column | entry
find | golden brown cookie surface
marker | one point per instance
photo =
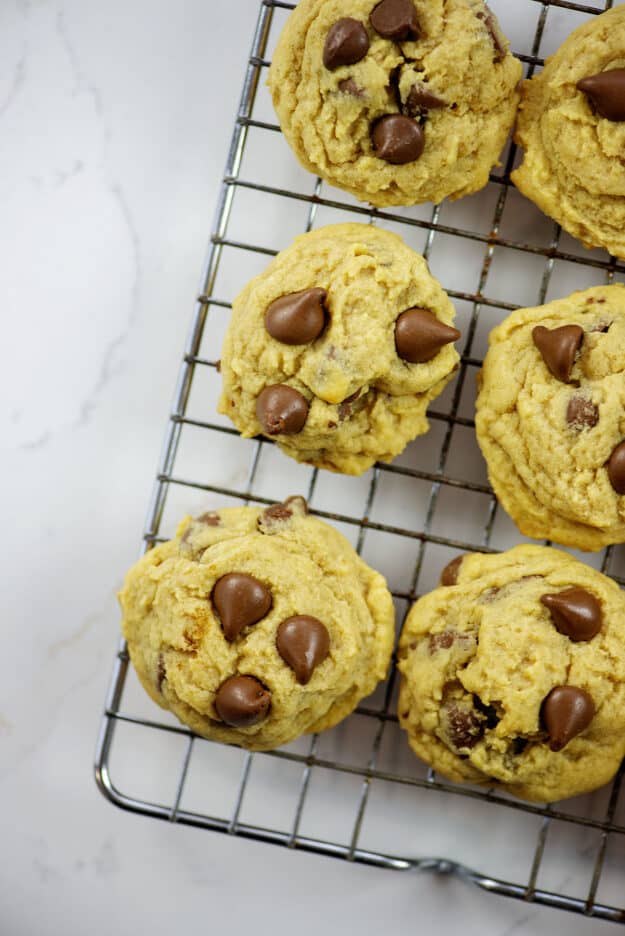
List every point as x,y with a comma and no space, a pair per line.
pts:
514,676
397,102
255,626
337,349
551,418
572,128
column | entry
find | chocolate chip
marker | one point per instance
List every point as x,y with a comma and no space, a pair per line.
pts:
616,468
558,347
276,516
242,701
419,335
297,318
566,712
349,86
346,408
396,19
281,409
519,745
420,100
441,641
274,519
496,35
346,43
397,139
303,642
607,92
602,327
211,518
240,600
575,612
392,88
462,726
161,672
488,711
449,575
582,413
297,504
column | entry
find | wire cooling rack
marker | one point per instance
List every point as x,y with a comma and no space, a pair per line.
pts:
357,792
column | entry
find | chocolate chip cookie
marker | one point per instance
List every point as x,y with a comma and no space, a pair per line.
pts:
551,418
397,102
255,626
572,127
513,674
336,350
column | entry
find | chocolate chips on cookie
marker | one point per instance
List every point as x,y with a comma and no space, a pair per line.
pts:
582,413
395,101
303,642
242,701
575,613
570,125
511,677
420,100
337,348
566,712
298,318
559,347
616,468
244,634
606,91
240,600
397,139
549,418
346,43
449,575
419,336
498,39
281,410
396,20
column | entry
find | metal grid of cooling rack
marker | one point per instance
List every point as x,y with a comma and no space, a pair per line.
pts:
605,823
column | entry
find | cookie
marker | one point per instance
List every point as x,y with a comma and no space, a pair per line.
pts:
513,674
395,102
254,626
551,418
336,350
572,127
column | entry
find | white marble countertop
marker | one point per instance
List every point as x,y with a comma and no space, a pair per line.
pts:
114,123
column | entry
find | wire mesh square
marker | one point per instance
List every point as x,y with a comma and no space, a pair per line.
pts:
348,792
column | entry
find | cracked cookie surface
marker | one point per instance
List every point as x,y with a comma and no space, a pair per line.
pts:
256,626
396,102
574,161
552,438
379,348
503,683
